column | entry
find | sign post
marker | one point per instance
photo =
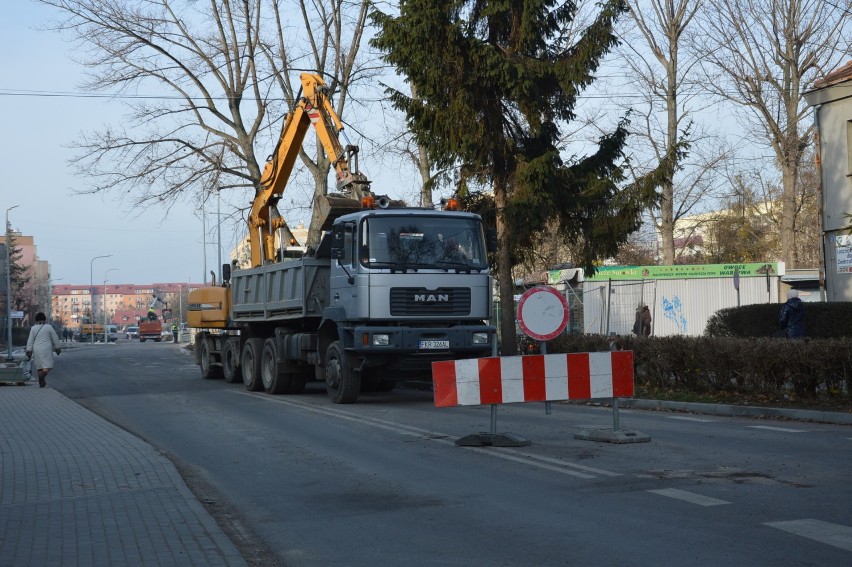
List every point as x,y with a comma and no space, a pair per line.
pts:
542,314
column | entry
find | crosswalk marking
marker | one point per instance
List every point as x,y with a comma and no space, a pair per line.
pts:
784,429
823,532
690,497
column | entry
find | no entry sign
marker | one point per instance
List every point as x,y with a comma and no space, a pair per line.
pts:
542,313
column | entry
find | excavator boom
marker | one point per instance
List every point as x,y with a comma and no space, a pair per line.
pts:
313,107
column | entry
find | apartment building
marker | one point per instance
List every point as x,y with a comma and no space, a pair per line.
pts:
123,304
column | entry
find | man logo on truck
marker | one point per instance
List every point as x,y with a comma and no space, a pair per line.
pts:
431,298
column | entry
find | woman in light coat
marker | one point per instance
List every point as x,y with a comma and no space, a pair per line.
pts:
41,344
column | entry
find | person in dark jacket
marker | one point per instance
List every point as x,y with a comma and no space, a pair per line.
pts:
792,318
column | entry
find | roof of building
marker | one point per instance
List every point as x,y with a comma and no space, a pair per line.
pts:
839,75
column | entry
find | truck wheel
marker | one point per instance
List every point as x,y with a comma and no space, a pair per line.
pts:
250,364
230,362
209,371
274,381
341,382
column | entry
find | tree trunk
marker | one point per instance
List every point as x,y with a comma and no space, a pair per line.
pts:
667,225
509,342
788,213
424,166
320,171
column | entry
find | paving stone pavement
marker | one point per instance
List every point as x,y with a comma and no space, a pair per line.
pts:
78,490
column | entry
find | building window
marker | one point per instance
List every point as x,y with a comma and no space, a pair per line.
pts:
849,147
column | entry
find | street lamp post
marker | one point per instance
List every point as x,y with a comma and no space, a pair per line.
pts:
204,237
219,232
106,334
92,293
8,286
180,312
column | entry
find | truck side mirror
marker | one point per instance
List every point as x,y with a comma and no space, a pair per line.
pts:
226,273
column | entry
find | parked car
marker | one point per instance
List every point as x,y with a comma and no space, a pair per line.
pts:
112,333
132,332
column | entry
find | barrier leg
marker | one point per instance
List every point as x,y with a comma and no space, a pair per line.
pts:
614,435
492,438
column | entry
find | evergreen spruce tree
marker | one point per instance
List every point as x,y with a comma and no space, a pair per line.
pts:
19,275
496,81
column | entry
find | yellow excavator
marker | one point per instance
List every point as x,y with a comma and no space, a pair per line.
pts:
313,107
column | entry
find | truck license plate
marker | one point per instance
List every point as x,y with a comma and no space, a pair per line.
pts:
434,344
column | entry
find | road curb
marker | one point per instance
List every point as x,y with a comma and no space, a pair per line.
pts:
738,411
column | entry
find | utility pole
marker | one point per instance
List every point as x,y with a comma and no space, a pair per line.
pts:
92,294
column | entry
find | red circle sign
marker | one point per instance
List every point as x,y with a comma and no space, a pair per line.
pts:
542,313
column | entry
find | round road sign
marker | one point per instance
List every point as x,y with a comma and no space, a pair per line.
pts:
542,313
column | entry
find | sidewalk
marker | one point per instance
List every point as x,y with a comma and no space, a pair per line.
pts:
77,490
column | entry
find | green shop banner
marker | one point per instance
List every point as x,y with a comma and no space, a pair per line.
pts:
604,273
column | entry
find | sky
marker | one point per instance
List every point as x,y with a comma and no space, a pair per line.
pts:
38,125
42,113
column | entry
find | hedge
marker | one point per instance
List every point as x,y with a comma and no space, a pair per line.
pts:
807,368
822,320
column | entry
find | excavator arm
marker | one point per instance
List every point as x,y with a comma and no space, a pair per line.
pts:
313,107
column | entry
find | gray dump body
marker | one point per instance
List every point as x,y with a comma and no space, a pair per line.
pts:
286,290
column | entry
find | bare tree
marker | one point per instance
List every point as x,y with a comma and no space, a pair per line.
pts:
663,70
746,229
761,55
207,83
808,225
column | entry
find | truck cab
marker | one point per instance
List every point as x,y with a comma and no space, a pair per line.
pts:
398,264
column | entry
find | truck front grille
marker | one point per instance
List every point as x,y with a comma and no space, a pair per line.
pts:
420,301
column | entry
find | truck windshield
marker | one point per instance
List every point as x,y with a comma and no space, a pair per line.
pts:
413,242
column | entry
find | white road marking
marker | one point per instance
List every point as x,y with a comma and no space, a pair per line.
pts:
823,532
690,497
770,428
546,463
594,470
699,419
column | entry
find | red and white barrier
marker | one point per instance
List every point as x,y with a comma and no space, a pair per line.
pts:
536,378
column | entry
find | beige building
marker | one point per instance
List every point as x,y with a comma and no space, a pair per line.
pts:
692,232
39,273
831,99
242,253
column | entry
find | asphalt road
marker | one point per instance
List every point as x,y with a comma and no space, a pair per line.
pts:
302,482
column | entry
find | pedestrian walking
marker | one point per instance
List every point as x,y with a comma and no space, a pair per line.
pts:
175,333
792,318
41,344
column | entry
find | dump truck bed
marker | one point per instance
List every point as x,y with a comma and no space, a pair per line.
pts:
285,290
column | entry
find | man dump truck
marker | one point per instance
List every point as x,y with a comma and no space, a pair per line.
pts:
387,291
